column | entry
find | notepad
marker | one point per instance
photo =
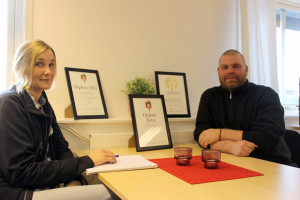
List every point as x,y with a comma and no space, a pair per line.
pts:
124,163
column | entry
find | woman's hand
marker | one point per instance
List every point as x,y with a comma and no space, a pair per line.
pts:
102,156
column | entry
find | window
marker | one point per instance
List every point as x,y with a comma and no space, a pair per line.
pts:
3,40
12,34
288,48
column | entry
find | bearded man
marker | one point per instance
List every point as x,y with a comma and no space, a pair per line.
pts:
240,117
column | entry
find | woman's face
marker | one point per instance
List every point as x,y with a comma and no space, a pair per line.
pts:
43,72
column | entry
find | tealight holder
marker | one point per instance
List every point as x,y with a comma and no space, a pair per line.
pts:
211,158
183,155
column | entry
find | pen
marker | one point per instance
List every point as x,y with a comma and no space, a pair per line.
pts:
116,156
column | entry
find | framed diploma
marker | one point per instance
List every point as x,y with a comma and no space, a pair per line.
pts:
150,122
174,88
86,93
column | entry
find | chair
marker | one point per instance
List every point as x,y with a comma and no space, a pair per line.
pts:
292,139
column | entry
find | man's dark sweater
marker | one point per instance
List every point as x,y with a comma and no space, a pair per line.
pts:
254,109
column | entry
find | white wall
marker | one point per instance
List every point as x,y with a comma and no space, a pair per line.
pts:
128,38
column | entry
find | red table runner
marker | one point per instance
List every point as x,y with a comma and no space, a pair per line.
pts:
196,173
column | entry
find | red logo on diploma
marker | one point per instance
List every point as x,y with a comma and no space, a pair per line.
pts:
148,104
83,78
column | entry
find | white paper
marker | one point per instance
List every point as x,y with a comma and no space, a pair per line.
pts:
124,163
172,87
151,124
86,92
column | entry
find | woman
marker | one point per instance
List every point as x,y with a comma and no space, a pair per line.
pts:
34,156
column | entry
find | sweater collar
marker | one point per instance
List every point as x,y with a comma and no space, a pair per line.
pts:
238,89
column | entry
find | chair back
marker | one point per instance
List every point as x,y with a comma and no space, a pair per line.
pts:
292,139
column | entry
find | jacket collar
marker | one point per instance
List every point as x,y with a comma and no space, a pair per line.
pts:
30,104
237,90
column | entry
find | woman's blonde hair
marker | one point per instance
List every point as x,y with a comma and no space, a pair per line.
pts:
24,59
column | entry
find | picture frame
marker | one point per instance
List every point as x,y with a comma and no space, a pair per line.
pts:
150,122
173,86
86,93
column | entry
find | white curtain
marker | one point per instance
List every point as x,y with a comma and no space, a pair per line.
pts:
258,19
12,35
3,46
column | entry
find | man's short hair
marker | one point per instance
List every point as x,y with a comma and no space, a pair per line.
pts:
231,52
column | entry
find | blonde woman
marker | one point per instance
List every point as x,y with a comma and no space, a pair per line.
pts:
34,156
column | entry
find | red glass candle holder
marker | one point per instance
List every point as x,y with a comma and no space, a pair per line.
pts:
211,158
183,155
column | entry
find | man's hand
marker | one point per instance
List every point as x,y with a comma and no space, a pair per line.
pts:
102,156
208,137
242,148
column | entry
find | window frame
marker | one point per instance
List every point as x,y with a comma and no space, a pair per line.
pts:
290,109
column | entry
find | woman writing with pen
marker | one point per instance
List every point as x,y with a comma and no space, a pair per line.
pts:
34,156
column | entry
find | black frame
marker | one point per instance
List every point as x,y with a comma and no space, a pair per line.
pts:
157,73
135,127
76,116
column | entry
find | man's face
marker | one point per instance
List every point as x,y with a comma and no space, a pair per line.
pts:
232,71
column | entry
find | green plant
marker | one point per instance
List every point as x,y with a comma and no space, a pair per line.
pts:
139,86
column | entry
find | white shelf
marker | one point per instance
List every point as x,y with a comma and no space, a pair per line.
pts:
94,121
113,120
295,126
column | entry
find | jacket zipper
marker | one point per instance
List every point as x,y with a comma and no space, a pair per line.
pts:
39,151
230,113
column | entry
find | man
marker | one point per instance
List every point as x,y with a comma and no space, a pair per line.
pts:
240,117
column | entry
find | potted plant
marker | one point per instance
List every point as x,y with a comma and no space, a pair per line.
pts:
139,86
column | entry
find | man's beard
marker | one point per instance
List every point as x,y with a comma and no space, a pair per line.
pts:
231,84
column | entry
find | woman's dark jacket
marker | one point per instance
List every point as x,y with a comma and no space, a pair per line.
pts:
254,109
24,135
